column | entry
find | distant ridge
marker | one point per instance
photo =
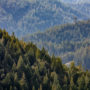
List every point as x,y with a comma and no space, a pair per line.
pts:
67,41
28,16
76,1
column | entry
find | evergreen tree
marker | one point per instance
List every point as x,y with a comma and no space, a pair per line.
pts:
33,88
58,65
11,88
14,67
15,77
87,82
81,83
20,64
38,54
72,85
23,82
40,87
65,87
56,84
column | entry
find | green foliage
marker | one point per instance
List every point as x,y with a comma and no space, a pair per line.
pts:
25,67
81,83
56,84
1,34
20,64
23,82
72,85
70,41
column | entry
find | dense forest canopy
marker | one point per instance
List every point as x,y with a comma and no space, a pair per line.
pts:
67,41
25,67
45,45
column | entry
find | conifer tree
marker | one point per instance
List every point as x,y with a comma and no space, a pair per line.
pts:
23,82
20,64
65,83
38,53
56,85
33,88
40,87
81,83
72,85
11,88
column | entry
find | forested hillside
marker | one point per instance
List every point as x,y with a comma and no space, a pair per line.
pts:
66,41
29,16
25,67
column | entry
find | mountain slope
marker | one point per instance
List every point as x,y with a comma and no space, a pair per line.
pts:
71,32
27,16
64,40
76,1
25,67
83,8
